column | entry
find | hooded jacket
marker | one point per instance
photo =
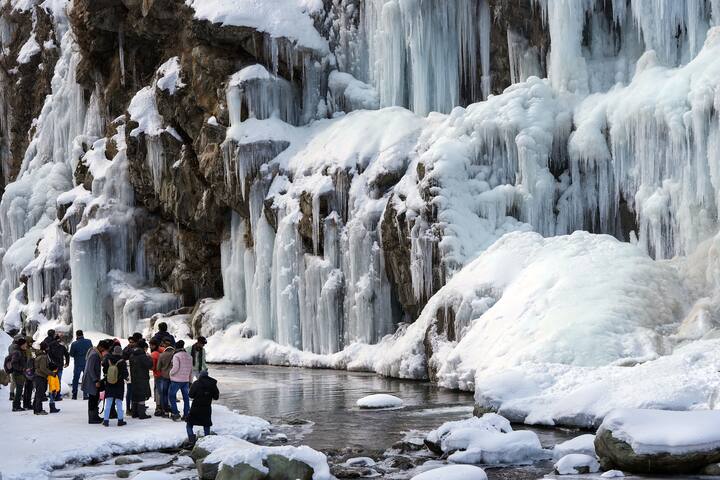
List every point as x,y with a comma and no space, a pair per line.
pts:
92,372
203,391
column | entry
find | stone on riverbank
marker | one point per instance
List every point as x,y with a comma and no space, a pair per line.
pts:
577,464
658,441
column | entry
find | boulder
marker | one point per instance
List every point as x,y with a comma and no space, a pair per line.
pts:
282,468
207,470
241,471
659,442
577,464
127,460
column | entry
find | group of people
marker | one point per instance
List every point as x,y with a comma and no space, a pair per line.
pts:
109,375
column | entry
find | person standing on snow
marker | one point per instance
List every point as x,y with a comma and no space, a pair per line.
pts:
180,378
58,354
155,351
116,372
197,352
44,368
203,391
164,365
78,351
140,365
91,380
18,364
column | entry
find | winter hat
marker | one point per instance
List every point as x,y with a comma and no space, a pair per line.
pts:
117,350
179,344
202,340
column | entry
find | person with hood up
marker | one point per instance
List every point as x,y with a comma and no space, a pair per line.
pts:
180,378
116,372
140,365
203,391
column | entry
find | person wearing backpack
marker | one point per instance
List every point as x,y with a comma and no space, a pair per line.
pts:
58,354
78,351
203,391
116,372
15,366
44,368
180,378
140,365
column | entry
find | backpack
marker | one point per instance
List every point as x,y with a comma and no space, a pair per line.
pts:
7,364
112,373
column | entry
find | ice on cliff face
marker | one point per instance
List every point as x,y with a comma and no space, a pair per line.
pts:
621,138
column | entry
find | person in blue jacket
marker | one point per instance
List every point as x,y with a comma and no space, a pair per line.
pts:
78,351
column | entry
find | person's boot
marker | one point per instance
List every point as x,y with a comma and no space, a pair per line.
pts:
53,409
122,423
18,409
106,423
192,439
41,412
96,420
175,418
158,412
74,396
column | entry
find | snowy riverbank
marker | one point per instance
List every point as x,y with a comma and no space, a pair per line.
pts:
32,446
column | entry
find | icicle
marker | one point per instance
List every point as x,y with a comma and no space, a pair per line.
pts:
121,54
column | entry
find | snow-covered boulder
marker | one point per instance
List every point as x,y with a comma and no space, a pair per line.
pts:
225,457
612,474
453,472
659,441
486,440
577,463
379,400
584,444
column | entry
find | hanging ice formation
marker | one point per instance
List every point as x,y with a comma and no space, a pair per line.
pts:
352,215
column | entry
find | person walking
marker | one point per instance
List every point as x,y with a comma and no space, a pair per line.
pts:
180,378
91,380
44,368
78,352
140,365
58,354
116,372
202,392
18,363
164,365
155,351
197,352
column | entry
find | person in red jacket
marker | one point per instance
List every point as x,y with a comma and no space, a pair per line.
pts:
155,350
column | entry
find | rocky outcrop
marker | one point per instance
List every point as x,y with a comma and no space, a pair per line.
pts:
617,454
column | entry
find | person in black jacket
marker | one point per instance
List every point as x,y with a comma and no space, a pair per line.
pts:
18,362
203,391
163,335
140,366
116,372
58,355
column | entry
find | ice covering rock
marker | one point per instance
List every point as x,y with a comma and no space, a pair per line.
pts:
486,440
658,441
577,463
379,400
453,472
584,444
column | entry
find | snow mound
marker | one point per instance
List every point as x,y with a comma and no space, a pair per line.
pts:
153,476
584,444
662,431
613,474
379,400
486,440
453,472
280,18
576,463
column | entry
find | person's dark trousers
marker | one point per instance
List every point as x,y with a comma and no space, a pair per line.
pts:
93,403
40,388
27,394
191,434
78,370
19,385
58,395
164,391
128,400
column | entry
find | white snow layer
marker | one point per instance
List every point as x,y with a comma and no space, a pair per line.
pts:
453,472
662,431
487,440
584,444
279,18
379,400
574,463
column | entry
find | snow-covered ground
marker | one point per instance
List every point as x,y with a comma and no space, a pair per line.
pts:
31,446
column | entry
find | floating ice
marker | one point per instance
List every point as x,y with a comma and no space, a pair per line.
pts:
379,400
